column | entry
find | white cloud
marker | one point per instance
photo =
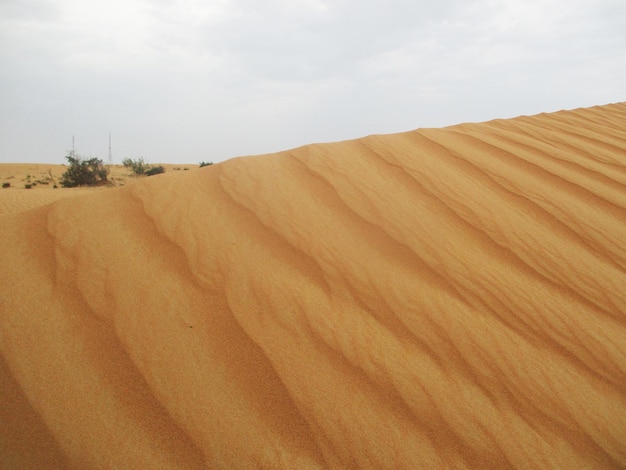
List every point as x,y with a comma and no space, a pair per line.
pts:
195,80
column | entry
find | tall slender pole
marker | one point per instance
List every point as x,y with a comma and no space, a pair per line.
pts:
110,155
72,146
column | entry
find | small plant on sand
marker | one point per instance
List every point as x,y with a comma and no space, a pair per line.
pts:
205,164
137,166
6,185
155,170
140,167
28,185
83,172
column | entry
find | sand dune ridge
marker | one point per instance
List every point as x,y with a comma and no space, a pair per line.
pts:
441,298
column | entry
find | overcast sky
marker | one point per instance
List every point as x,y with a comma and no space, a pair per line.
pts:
206,80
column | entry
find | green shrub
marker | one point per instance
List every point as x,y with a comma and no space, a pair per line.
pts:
6,185
28,185
205,164
138,166
83,172
155,170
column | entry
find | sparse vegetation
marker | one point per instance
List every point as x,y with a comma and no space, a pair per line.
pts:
83,172
6,185
205,164
28,185
155,170
140,167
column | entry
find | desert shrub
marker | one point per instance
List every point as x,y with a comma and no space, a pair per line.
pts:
83,172
205,164
28,185
155,170
6,185
139,166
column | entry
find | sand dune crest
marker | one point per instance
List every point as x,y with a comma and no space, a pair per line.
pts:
442,298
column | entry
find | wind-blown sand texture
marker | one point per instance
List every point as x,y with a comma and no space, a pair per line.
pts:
44,184
442,298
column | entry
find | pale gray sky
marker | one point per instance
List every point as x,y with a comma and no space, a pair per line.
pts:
206,80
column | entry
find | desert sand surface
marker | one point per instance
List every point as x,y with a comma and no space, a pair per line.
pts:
30,185
441,298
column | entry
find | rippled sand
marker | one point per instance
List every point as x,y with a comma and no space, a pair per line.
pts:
442,298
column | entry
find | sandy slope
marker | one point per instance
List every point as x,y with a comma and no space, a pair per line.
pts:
44,187
451,298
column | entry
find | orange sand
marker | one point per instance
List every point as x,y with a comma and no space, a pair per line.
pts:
442,298
45,187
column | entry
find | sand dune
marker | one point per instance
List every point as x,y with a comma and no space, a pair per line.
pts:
44,184
442,298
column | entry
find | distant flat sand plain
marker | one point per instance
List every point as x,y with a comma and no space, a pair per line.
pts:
29,185
438,299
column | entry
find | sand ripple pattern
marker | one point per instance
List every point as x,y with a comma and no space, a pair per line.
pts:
441,298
